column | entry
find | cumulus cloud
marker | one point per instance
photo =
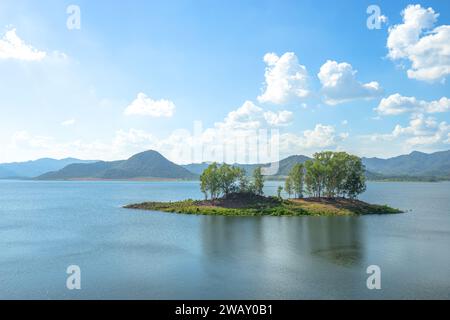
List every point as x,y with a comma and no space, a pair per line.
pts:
339,84
145,106
249,117
12,47
322,136
420,131
427,49
281,118
285,79
397,104
248,134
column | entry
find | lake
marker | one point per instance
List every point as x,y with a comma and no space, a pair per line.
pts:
126,254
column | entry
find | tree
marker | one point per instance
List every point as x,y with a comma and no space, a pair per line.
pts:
288,186
297,176
227,176
258,181
279,190
209,181
355,182
314,178
244,183
334,174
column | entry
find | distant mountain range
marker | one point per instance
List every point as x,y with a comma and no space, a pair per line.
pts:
414,165
152,165
30,169
284,166
144,165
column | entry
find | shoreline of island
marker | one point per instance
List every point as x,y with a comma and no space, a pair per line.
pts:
255,205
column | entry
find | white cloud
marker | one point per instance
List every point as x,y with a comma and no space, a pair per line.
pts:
427,49
285,79
249,117
322,136
145,106
12,47
281,118
420,131
69,122
339,84
397,104
248,134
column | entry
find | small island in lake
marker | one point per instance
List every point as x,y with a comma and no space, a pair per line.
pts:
332,180
254,205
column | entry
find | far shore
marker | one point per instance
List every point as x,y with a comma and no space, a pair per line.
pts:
150,179
124,180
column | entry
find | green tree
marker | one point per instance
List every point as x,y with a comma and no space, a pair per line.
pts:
244,183
258,181
297,177
355,182
279,190
209,181
333,174
314,178
288,186
227,177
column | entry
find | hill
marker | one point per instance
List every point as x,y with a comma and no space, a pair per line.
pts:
416,166
144,165
35,168
284,166
411,166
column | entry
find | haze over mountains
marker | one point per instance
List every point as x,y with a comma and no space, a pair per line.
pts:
152,165
284,166
30,169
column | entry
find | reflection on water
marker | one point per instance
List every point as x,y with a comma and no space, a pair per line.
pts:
338,240
46,226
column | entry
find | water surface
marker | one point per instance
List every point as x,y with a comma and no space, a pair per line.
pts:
127,254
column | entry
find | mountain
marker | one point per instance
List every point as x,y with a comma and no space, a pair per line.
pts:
5,173
148,164
151,164
196,168
415,164
35,168
287,164
284,166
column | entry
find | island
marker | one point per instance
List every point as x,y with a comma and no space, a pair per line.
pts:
238,205
332,181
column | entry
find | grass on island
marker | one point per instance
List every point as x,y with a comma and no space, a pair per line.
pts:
254,205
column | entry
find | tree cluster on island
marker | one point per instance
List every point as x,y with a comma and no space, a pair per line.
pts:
327,175
332,180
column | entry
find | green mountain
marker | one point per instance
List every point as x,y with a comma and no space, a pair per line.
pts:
413,165
151,164
35,168
144,165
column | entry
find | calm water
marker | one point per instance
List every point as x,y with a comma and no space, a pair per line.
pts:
47,226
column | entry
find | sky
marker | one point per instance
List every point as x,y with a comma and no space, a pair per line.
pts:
107,79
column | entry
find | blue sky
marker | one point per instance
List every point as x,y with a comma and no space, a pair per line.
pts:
138,75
